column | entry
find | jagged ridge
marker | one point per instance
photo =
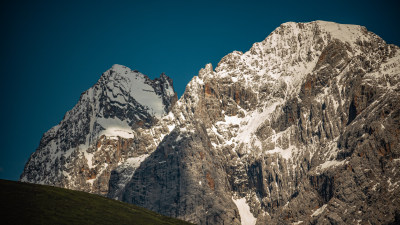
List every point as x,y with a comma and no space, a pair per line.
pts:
302,128
102,131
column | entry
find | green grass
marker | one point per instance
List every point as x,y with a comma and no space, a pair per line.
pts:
23,203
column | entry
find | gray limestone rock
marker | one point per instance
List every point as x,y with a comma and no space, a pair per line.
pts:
108,127
304,128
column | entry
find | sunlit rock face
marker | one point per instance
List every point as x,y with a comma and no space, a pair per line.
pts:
303,128
109,127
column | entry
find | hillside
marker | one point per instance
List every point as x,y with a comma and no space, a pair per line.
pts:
23,203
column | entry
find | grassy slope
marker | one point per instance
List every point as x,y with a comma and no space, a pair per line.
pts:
22,203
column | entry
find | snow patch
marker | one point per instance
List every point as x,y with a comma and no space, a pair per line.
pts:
132,163
246,216
171,127
136,161
319,210
344,32
285,153
136,85
374,187
333,163
178,138
91,181
169,91
253,122
114,127
89,158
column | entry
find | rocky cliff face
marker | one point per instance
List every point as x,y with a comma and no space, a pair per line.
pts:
108,127
304,128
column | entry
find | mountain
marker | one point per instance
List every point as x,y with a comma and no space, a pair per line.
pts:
23,203
108,127
304,128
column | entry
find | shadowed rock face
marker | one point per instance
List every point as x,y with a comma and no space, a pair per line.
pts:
305,126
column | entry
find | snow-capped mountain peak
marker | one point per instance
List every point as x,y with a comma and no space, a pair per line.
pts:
301,129
108,114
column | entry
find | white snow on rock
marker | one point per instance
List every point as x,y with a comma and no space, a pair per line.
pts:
89,158
319,210
298,222
253,122
246,216
285,153
114,127
135,84
135,162
169,91
328,164
344,32
273,70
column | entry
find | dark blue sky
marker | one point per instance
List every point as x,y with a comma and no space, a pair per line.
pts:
51,52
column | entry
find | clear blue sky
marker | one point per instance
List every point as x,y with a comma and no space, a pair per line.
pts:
51,52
